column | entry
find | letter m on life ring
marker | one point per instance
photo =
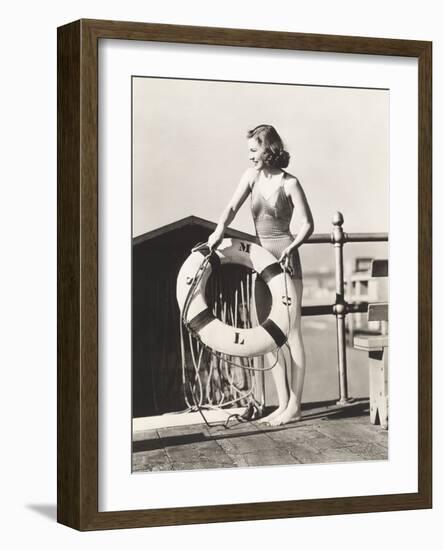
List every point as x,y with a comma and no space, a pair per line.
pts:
245,247
239,339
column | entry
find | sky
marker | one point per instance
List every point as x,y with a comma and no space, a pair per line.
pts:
190,150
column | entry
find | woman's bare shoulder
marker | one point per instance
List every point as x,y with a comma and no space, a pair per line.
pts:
291,183
249,176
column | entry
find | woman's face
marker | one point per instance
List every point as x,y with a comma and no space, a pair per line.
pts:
256,153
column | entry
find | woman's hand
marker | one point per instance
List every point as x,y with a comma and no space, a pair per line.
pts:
285,258
285,255
215,239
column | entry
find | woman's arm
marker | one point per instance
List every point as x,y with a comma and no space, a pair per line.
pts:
229,213
301,206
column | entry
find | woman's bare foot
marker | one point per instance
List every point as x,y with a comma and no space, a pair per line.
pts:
292,413
285,418
278,411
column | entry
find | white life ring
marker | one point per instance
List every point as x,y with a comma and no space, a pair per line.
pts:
268,336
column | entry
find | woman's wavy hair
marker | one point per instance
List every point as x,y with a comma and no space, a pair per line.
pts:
267,136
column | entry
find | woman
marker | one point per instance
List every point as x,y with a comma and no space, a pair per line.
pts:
275,195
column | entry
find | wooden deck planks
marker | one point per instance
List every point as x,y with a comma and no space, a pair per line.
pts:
356,437
149,453
267,457
242,439
325,435
192,447
151,461
307,445
247,445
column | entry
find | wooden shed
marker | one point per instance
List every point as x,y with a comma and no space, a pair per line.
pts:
157,256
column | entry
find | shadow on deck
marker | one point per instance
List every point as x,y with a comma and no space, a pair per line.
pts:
327,433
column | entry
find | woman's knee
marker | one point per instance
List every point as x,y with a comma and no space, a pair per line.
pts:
295,342
295,338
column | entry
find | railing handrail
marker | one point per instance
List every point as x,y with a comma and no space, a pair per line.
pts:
329,309
328,238
340,308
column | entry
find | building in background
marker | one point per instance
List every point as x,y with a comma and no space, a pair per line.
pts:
157,380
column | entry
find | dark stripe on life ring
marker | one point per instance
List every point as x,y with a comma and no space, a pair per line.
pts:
271,271
275,332
201,320
214,258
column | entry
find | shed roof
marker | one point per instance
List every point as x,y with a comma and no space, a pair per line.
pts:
186,222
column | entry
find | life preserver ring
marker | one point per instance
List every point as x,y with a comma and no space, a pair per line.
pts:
268,336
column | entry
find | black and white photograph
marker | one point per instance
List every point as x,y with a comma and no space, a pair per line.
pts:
260,264
220,288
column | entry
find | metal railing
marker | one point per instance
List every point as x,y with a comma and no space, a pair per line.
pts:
341,308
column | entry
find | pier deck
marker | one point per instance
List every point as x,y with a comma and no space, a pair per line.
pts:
327,433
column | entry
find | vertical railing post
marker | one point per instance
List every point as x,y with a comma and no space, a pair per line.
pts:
338,240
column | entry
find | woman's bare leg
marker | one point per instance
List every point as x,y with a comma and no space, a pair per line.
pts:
263,303
279,376
292,411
